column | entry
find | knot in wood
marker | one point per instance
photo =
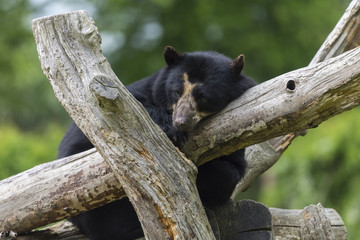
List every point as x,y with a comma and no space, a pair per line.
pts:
314,224
105,91
290,86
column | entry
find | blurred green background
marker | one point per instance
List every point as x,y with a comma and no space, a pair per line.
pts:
276,36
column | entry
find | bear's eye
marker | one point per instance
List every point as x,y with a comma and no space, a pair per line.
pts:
176,93
200,97
203,100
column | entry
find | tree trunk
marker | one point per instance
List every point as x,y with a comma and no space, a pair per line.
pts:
143,159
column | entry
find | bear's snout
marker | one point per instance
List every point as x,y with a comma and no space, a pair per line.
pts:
183,117
184,122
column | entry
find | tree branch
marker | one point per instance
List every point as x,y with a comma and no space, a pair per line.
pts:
344,37
56,190
292,102
143,159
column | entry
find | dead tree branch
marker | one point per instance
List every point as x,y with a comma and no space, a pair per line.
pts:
312,222
292,102
141,156
56,190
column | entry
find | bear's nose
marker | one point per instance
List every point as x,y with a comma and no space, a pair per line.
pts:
180,121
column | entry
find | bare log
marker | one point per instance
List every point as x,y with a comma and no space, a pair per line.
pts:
141,156
56,190
261,223
61,231
292,102
312,222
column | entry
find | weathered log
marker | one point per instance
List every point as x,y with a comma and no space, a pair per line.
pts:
61,231
260,223
56,190
292,102
143,159
312,222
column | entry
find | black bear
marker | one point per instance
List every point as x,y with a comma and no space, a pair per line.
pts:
190,87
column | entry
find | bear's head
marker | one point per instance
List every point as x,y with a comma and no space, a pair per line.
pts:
201,83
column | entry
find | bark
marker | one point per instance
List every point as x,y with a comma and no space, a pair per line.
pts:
141,156
53,191
61,231
312,222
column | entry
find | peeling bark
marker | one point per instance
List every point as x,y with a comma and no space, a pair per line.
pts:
53,191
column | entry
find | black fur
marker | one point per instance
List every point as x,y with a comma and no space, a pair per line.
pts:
218,81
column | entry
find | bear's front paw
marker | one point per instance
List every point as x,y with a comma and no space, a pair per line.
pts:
178,138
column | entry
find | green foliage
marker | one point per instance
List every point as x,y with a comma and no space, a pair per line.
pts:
275,36
21,150
26,97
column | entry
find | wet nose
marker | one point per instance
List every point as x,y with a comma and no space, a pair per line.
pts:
180,121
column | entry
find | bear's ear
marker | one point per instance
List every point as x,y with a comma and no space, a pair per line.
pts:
171,56
237,64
